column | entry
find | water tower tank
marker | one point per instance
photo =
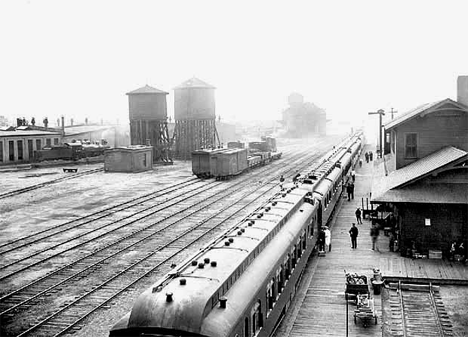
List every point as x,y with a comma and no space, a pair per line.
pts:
147,103
295,99
194,100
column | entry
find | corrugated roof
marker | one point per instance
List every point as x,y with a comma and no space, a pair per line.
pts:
420,110
146,90
26,133
417,170
194,83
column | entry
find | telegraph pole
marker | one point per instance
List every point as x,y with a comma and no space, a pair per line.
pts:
393,112
381,113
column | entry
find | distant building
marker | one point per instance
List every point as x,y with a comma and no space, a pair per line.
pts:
303,118
18,145
426,185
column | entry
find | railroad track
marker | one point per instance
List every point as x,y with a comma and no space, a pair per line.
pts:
49,182
418,310
28,295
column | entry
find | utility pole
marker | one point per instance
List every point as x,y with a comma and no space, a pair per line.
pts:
393,112
381,113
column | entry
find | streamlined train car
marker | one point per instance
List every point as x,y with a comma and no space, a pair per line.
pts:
241,284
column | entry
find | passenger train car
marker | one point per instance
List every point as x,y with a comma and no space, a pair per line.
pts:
242,283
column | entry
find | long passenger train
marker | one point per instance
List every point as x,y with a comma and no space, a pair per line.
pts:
242,283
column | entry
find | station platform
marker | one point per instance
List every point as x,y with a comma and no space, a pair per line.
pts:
320,307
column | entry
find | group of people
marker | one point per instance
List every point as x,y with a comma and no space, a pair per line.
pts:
457,248
369,156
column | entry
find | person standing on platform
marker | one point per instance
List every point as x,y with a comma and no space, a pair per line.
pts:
321,240
281,182
353,175
374,233
353,233
360,162
371,155
358,216
327,239
351,188
367,157
348,190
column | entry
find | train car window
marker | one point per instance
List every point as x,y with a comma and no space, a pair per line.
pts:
48,141
1,151
246,327
56,141
256,318
38,144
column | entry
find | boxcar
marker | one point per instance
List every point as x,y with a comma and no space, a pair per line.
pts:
235,145
201,162
228,163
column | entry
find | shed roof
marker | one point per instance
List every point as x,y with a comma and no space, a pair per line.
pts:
80,129
425,109
393,185
146,90
194,83
28,133
427,194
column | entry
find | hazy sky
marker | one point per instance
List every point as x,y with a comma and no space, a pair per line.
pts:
79,58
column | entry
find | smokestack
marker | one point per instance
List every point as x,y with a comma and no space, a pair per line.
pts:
462,90
63,124
71,121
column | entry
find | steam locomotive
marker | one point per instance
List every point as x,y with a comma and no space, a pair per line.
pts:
70,151
242,283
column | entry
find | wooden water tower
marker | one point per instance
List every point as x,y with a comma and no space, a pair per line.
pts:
148,121
194,114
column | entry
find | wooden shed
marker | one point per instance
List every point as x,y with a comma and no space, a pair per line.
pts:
135,158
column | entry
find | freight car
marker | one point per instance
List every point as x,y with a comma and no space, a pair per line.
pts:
241,284
225,163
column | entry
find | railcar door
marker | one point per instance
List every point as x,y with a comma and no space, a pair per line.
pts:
319,214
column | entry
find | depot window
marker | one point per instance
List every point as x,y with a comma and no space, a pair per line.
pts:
411,145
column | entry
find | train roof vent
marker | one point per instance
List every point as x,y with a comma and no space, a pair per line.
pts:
243,230
259,215
157,289
231,240
169,297
214,263
223,302
201,265
227,243
194,262
207,260
183,281
239,232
